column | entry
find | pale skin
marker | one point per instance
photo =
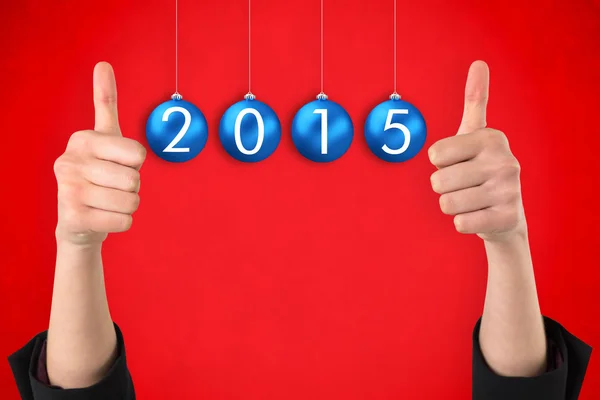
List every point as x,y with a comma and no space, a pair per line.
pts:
98,184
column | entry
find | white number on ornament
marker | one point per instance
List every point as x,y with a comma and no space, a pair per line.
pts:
323,113
238,135
186,125
396,125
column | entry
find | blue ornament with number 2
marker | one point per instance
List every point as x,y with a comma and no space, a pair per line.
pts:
176,130
322,130
395,131
250,130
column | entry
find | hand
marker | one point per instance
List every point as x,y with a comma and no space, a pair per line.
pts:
478,176
98,174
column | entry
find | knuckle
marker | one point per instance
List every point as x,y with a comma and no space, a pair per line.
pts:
140,153
132,180
136,150
446,204
432,153
494,139
62,166
460,224
109,99
134,203
477,96
80,140
436,182
125,222
509,169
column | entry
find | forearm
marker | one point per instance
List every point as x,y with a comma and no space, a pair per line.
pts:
512,336
81,337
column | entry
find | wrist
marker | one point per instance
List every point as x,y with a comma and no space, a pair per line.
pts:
78,241
508,239
76,258
510,252
67,246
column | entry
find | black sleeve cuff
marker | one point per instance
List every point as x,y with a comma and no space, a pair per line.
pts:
117,384
562,383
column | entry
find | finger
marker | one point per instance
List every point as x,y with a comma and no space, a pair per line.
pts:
455,149
111,175
105,100
107,221
489,220
459,176
476,98
107,199
117,149
466,200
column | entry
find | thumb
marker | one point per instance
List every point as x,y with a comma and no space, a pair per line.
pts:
476,98
105,100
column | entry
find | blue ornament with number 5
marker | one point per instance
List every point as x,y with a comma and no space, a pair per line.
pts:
322,130
395,131
176,130
250,130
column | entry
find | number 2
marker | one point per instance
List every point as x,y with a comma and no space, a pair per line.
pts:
186,125
396,125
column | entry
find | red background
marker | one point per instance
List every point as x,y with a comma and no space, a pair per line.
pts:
286,278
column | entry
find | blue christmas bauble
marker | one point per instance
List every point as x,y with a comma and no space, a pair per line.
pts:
250,131
395,131
176,131
322,131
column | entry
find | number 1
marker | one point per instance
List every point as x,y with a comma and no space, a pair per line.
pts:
323,113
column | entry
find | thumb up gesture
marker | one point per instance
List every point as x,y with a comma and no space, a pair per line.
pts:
478,176
98,174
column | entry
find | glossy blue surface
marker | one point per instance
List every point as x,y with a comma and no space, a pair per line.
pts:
307,131
248,148
167,121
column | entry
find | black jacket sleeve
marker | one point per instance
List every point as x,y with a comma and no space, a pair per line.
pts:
117,384
562,383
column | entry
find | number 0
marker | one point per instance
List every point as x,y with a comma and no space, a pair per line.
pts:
238,135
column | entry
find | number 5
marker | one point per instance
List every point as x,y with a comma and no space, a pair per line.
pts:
396,125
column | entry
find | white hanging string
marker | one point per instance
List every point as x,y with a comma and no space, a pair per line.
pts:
321,46
395,95
322,95
249,95
176,95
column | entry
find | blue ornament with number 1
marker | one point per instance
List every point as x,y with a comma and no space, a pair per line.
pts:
395,130
322,130
250,130
176,130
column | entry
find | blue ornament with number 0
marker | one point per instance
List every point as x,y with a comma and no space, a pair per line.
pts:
250,130
176,130
395,130
322,130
